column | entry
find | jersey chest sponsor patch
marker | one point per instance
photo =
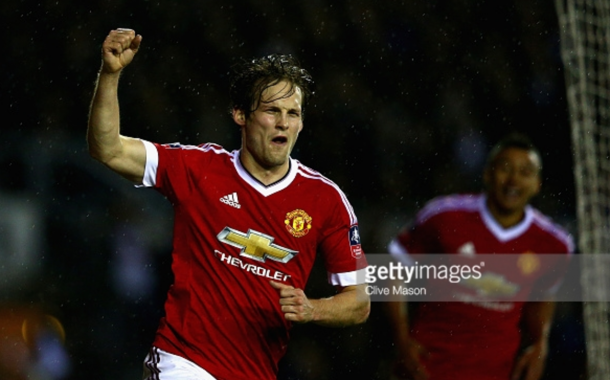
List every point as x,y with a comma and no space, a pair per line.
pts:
256,245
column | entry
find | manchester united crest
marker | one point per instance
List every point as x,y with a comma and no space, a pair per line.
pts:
298,223
528,263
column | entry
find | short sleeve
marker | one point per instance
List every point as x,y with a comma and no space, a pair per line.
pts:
341,246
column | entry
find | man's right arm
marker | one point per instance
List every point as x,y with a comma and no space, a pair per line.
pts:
124,155
408,350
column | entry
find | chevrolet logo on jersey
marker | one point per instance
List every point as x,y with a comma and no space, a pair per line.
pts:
492,284
256,245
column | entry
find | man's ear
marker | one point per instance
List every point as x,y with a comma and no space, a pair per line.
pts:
539,187
239,117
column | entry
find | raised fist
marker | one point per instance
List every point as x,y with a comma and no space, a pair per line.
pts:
119,48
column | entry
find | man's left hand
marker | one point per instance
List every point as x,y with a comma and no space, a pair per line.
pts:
295,304
530,364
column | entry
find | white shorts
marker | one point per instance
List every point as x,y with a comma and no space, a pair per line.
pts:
161,365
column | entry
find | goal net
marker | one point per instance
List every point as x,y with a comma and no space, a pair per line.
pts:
585,48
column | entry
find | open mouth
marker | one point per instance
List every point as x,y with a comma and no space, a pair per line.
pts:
279,140
512,193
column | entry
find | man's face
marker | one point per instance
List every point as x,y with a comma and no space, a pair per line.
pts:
271,131
513,179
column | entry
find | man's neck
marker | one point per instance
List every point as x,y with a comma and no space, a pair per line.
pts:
266,176
506,218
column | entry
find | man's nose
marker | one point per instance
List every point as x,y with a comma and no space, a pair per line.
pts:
513,175
282,121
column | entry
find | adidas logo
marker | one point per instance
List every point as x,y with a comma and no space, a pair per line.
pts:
231,200
467,250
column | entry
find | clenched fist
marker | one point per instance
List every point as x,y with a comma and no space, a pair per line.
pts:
118,49
295,304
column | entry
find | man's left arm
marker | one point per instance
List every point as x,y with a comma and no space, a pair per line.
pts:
537,318
350,306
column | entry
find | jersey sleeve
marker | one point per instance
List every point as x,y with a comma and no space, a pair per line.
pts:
551,281
171,168
150,167
341,245
417,237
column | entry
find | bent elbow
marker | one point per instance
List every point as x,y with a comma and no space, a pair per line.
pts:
95,154
362,306
94,149
100,152
101,156
364,313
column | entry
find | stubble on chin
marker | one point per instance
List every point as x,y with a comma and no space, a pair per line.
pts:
276,160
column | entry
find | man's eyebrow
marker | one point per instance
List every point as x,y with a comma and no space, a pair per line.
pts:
268,106
276,106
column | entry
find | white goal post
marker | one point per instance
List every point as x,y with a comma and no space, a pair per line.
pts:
585,49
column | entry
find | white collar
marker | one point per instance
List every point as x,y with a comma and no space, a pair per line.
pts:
501,233
265,190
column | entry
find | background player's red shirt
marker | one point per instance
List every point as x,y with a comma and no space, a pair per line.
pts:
232,235
479,339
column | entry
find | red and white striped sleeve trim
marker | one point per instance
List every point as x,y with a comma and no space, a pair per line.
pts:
356,277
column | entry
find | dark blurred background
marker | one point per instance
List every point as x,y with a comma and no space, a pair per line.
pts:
410,96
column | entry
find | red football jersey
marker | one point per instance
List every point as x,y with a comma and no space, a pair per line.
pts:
232,235
473,338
